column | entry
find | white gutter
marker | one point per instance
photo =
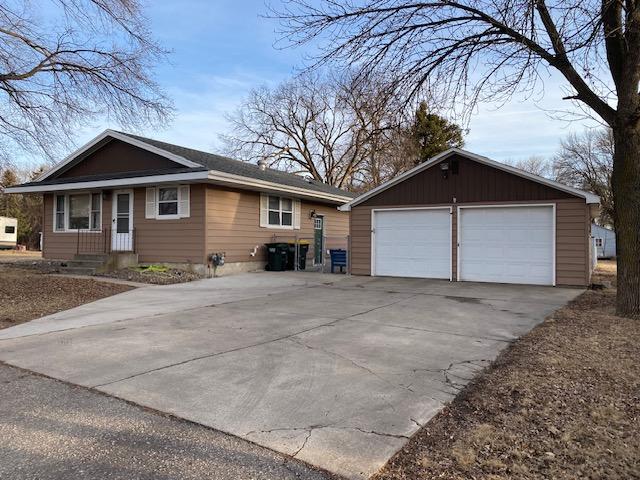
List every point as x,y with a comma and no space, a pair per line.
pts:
229,178
204,176
116,182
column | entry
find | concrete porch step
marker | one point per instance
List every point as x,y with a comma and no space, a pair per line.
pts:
85,263
78,270
98,257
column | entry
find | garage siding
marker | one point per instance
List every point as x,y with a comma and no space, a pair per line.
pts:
474,182
572,247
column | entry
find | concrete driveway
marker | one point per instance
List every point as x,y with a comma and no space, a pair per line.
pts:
333,370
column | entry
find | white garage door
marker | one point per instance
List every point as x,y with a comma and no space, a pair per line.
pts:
506,245
412,243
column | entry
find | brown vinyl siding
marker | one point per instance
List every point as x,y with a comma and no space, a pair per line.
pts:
572,239
233,224
475,182
116,156
62,245
172,241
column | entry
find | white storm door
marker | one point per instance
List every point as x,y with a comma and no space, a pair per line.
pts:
122,221
507,244
412,243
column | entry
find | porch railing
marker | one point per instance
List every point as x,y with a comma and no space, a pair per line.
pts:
105,241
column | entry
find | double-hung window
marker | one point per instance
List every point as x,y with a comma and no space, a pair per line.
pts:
280,211
77,211
167,202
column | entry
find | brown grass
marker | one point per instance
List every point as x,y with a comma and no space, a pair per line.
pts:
563,402
26,294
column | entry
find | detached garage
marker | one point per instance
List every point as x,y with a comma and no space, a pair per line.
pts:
461,216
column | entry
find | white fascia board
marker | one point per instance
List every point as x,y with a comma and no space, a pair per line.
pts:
124,138
589,197
116,182
262,185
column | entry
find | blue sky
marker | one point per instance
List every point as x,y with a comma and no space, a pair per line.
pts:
223,48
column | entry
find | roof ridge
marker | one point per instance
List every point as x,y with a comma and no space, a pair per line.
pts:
224,157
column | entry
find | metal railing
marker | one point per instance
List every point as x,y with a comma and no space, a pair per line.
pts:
105,241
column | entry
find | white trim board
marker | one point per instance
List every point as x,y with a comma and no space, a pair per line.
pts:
116,182
589,197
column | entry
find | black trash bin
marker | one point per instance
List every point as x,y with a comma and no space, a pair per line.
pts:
303,249
276,256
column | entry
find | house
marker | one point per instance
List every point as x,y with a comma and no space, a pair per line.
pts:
461,216
604,240
175,205
8,232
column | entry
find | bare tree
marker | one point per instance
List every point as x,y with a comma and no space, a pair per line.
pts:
535,164
586,161
468,51
328,127
63,62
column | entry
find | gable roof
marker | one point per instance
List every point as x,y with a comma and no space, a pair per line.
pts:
589,197
195,165
228,165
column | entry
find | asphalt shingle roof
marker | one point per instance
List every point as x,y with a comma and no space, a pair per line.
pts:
244,169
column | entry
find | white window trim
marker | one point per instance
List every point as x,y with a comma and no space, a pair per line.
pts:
173,216
66,228
292,211
157,202
600,241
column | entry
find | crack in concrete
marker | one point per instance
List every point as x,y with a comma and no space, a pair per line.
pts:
355,364
304,443
237,349
310,429
403,327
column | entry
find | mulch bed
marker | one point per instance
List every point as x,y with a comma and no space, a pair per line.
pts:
167,276
563,402
27,293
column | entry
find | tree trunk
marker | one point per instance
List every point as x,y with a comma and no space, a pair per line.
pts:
626,194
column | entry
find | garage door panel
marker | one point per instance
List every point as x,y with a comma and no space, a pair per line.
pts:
507,244
413,243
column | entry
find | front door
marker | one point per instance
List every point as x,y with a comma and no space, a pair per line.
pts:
318,240
122,221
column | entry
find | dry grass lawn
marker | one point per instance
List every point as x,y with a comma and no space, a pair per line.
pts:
26,294
563,402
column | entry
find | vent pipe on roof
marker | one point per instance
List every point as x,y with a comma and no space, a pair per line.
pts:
262,164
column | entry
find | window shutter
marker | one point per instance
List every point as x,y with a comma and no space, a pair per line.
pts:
296,214
150,204
264,210
183,201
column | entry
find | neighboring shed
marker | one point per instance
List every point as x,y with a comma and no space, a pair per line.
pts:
604,240
461,216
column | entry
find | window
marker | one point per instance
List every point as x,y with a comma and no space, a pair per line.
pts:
280,211
167,201
598,242
9,229
59,212
78,211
